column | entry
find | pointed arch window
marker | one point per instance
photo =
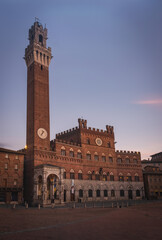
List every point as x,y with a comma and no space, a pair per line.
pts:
137,193
90,193
136,178
121,193
111,177
89,175
88,141
105,193
80,175
121,177
63,151
127,160
97,176
79,154
88,155
119,160
71,152
72,174
96,157
129,178
97,193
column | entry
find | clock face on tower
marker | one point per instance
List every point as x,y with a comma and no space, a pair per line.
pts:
42,133
98,141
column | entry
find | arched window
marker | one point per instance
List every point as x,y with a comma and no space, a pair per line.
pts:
63,151
109,145
71,152
119,160
136,178
80,193
105,193
97,176
89,175
121,177
88,141
121,193
80,175
90,193
135,161
40,38
79,154
112,193
137,193
97,193
72,174
88,156
129,177
127,160
96,158
110,159
103,157
111,176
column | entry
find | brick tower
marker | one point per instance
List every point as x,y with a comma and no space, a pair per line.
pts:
37,57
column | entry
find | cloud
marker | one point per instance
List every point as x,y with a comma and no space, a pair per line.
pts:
149,102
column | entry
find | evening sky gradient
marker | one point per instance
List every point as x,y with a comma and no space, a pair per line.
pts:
106,68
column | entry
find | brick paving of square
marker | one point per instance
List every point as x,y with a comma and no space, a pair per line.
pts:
137,222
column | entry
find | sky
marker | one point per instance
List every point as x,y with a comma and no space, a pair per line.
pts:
106,68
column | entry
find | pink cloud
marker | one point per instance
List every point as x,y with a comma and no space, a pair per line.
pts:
150,102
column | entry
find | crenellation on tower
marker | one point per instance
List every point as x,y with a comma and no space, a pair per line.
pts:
36,51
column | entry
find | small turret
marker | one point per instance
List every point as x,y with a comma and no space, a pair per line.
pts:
38,34
82,123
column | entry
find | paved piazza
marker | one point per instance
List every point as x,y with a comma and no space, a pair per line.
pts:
143,221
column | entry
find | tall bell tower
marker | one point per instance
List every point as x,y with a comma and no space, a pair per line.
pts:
37,57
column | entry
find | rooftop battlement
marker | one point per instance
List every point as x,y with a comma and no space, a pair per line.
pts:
127,152
66,132
65,142
83,126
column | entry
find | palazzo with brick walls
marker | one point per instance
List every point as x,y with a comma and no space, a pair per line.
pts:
81,164
11,176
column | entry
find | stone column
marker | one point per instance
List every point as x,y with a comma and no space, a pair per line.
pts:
35,197
44,188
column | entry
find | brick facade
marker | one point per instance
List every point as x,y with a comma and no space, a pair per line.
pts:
11,176
81,163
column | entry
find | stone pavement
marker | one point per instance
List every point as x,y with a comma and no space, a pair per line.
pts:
138,222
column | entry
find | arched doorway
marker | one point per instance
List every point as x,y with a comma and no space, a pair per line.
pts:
52,187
